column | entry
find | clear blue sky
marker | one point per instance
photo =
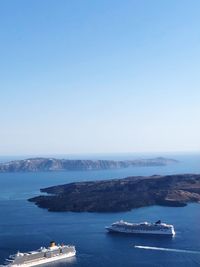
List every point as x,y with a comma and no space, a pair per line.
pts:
85,76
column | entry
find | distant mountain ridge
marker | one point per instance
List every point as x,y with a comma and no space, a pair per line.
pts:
53,164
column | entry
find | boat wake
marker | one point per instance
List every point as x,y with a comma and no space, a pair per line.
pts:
168,249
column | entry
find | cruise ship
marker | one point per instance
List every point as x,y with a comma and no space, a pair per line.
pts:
41,256
157,228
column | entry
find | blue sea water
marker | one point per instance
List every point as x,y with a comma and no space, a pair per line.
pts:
24,227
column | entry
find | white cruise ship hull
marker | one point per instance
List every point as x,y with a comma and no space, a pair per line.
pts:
43,261
132,231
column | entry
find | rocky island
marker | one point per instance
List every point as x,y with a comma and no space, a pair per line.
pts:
52,164
121,194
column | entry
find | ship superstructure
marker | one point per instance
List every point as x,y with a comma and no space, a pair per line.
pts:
142,228
41,256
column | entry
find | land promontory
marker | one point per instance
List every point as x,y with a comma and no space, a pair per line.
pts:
121,194
52,164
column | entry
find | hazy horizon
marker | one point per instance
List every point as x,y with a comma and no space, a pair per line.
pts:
87,77
75,155
124,155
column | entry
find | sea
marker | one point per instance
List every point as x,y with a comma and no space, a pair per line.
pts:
25,227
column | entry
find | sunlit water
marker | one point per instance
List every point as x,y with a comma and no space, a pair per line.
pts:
24,227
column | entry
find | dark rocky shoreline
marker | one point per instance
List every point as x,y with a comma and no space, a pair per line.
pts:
121,194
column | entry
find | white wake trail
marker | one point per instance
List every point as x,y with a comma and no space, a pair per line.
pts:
169,249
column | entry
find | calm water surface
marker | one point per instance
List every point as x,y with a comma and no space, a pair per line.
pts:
24,227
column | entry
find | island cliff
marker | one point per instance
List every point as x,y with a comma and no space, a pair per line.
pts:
121,194
52,164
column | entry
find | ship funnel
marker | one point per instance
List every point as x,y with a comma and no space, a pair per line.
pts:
52,244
